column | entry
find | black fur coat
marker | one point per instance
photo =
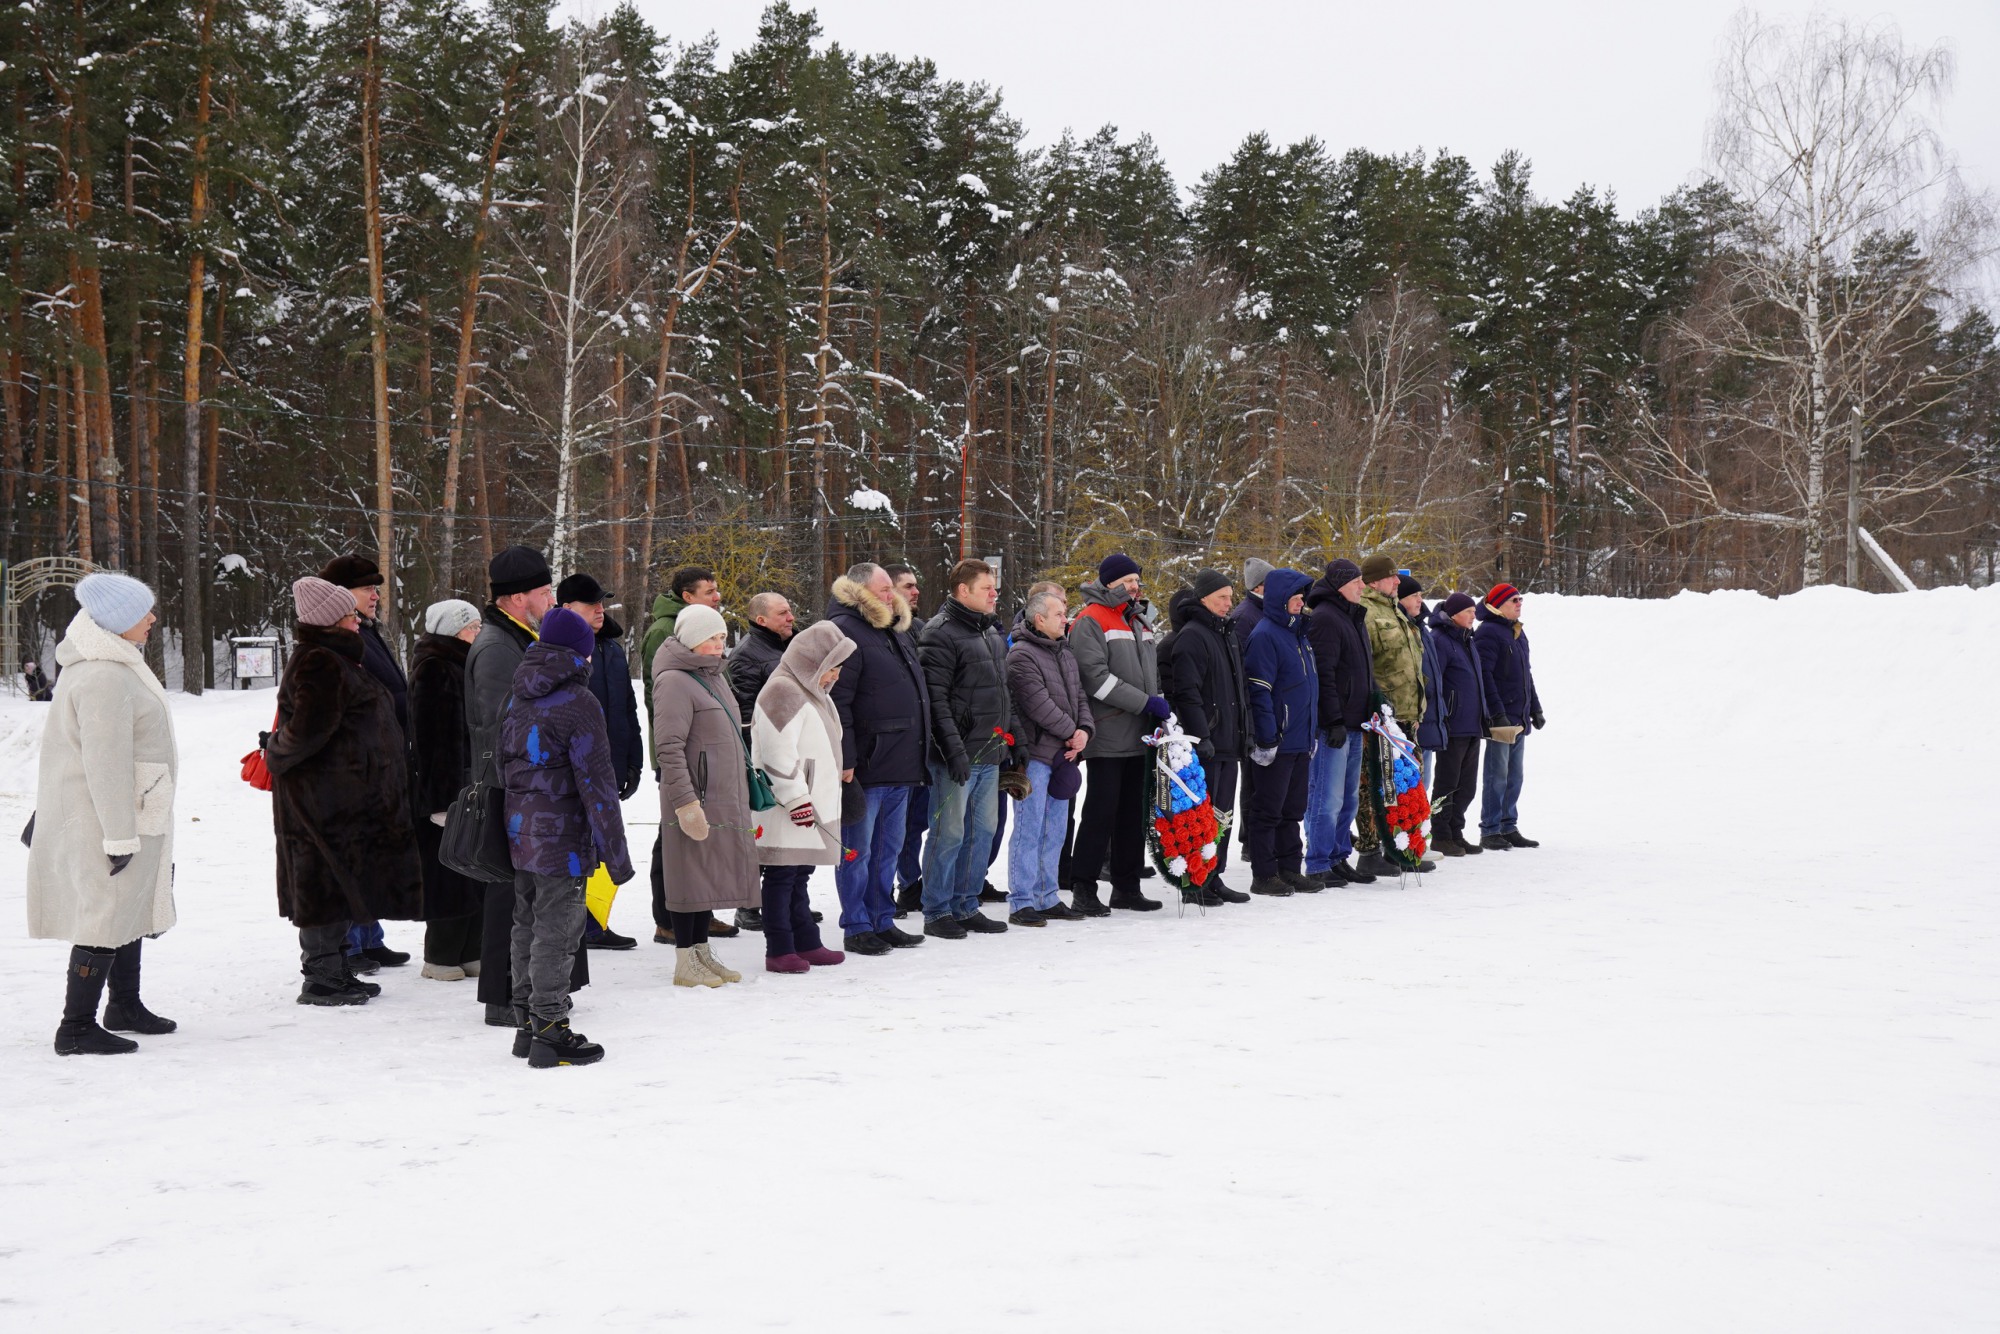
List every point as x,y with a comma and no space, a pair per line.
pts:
340,790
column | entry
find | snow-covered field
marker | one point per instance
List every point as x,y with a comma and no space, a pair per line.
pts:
1721,1055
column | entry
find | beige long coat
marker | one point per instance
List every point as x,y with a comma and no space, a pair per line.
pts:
108,770
698,744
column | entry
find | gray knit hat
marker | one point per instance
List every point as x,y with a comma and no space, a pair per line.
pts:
447,618
321,603
1254,573
116,602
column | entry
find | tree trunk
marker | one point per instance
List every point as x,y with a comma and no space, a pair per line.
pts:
378,317
194,621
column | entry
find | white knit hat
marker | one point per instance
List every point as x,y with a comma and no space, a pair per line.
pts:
699,624
116,602
449,617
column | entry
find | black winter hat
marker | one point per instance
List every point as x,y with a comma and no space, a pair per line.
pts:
1340,573
518,569
1207,583
352,572
578,588
1407,587
1455,604
1115,567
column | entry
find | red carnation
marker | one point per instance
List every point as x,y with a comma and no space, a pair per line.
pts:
850,855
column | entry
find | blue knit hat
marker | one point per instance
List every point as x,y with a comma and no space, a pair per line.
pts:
569,630
117,602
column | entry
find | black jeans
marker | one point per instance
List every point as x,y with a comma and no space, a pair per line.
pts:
323,953
1220,776
1454,783
1277,802
1113,823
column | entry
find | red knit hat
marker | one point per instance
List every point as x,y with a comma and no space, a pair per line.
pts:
1501,594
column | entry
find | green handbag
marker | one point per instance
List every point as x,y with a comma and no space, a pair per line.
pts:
762,797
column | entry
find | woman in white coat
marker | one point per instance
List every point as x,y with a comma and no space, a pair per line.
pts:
101,860
795,739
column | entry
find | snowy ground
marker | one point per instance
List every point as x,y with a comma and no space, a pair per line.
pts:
1721,1055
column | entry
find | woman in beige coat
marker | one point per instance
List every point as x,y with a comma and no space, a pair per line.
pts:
708,836
101,859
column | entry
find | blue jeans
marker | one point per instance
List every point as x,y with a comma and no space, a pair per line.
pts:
1036,847
364,936
1500,775
910,864
963,818
1333,795
867,884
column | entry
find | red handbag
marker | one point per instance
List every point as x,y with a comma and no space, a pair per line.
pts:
255,772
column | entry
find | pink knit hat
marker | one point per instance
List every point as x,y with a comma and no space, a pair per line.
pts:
320,602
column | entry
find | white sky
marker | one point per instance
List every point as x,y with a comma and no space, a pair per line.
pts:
1613,93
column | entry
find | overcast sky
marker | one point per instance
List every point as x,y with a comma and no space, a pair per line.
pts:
1612,93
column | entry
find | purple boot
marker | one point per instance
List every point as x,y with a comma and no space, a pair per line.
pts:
786,963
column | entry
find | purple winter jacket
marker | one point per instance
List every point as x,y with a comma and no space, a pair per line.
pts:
555,761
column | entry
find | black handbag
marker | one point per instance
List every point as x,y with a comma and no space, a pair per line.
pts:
475,831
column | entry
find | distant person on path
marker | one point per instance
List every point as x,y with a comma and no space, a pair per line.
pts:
36,682
101,855
1052,726
795,738
563,821
1204,680
1113,637
522,594
1463,717
347,847
611,683
1510,682
1284,723
690,586
1346,691
366,946
441,766
708,833
964,656
885,741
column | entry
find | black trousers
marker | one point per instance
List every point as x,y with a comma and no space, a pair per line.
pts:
453,942
1454,783
496,950
323,951
1113,822
1221,777
788,919
1277,802
661,919
691,928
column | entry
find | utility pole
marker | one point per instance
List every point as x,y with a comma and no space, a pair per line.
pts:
1854,503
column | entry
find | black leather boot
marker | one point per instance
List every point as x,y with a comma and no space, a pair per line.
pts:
125,1012
79,1034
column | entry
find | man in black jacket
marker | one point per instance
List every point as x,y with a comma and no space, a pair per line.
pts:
756,655
885,722
1346,683
1201,671
611,682
965,665
367,949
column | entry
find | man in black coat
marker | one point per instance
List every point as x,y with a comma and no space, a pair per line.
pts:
611,682
885,722
1346,683
1201,672
964,655
367,949
523,593
756,655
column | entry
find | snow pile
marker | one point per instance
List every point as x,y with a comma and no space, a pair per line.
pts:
1720,1054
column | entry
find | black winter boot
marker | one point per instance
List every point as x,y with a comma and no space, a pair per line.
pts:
1495,843
125,1012
750,919
1202,896
1375,866
910,898
1083,898
78,1034
1272,886
1301,882
1352,874
555,1044
1520,840
1131,900
524,1036
1225,893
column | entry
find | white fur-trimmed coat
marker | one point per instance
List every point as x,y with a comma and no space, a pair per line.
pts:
108,769
795,740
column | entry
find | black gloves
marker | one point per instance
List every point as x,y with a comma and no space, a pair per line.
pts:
631,783
1158,707
120,862
1335,736
960,768
1541,723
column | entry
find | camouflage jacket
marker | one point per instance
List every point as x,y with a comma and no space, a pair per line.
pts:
1398,647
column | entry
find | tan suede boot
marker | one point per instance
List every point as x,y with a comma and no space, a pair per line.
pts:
690,971
715,964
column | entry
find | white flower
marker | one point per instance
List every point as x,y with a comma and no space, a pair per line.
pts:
1208,852
1178,866
1402,840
